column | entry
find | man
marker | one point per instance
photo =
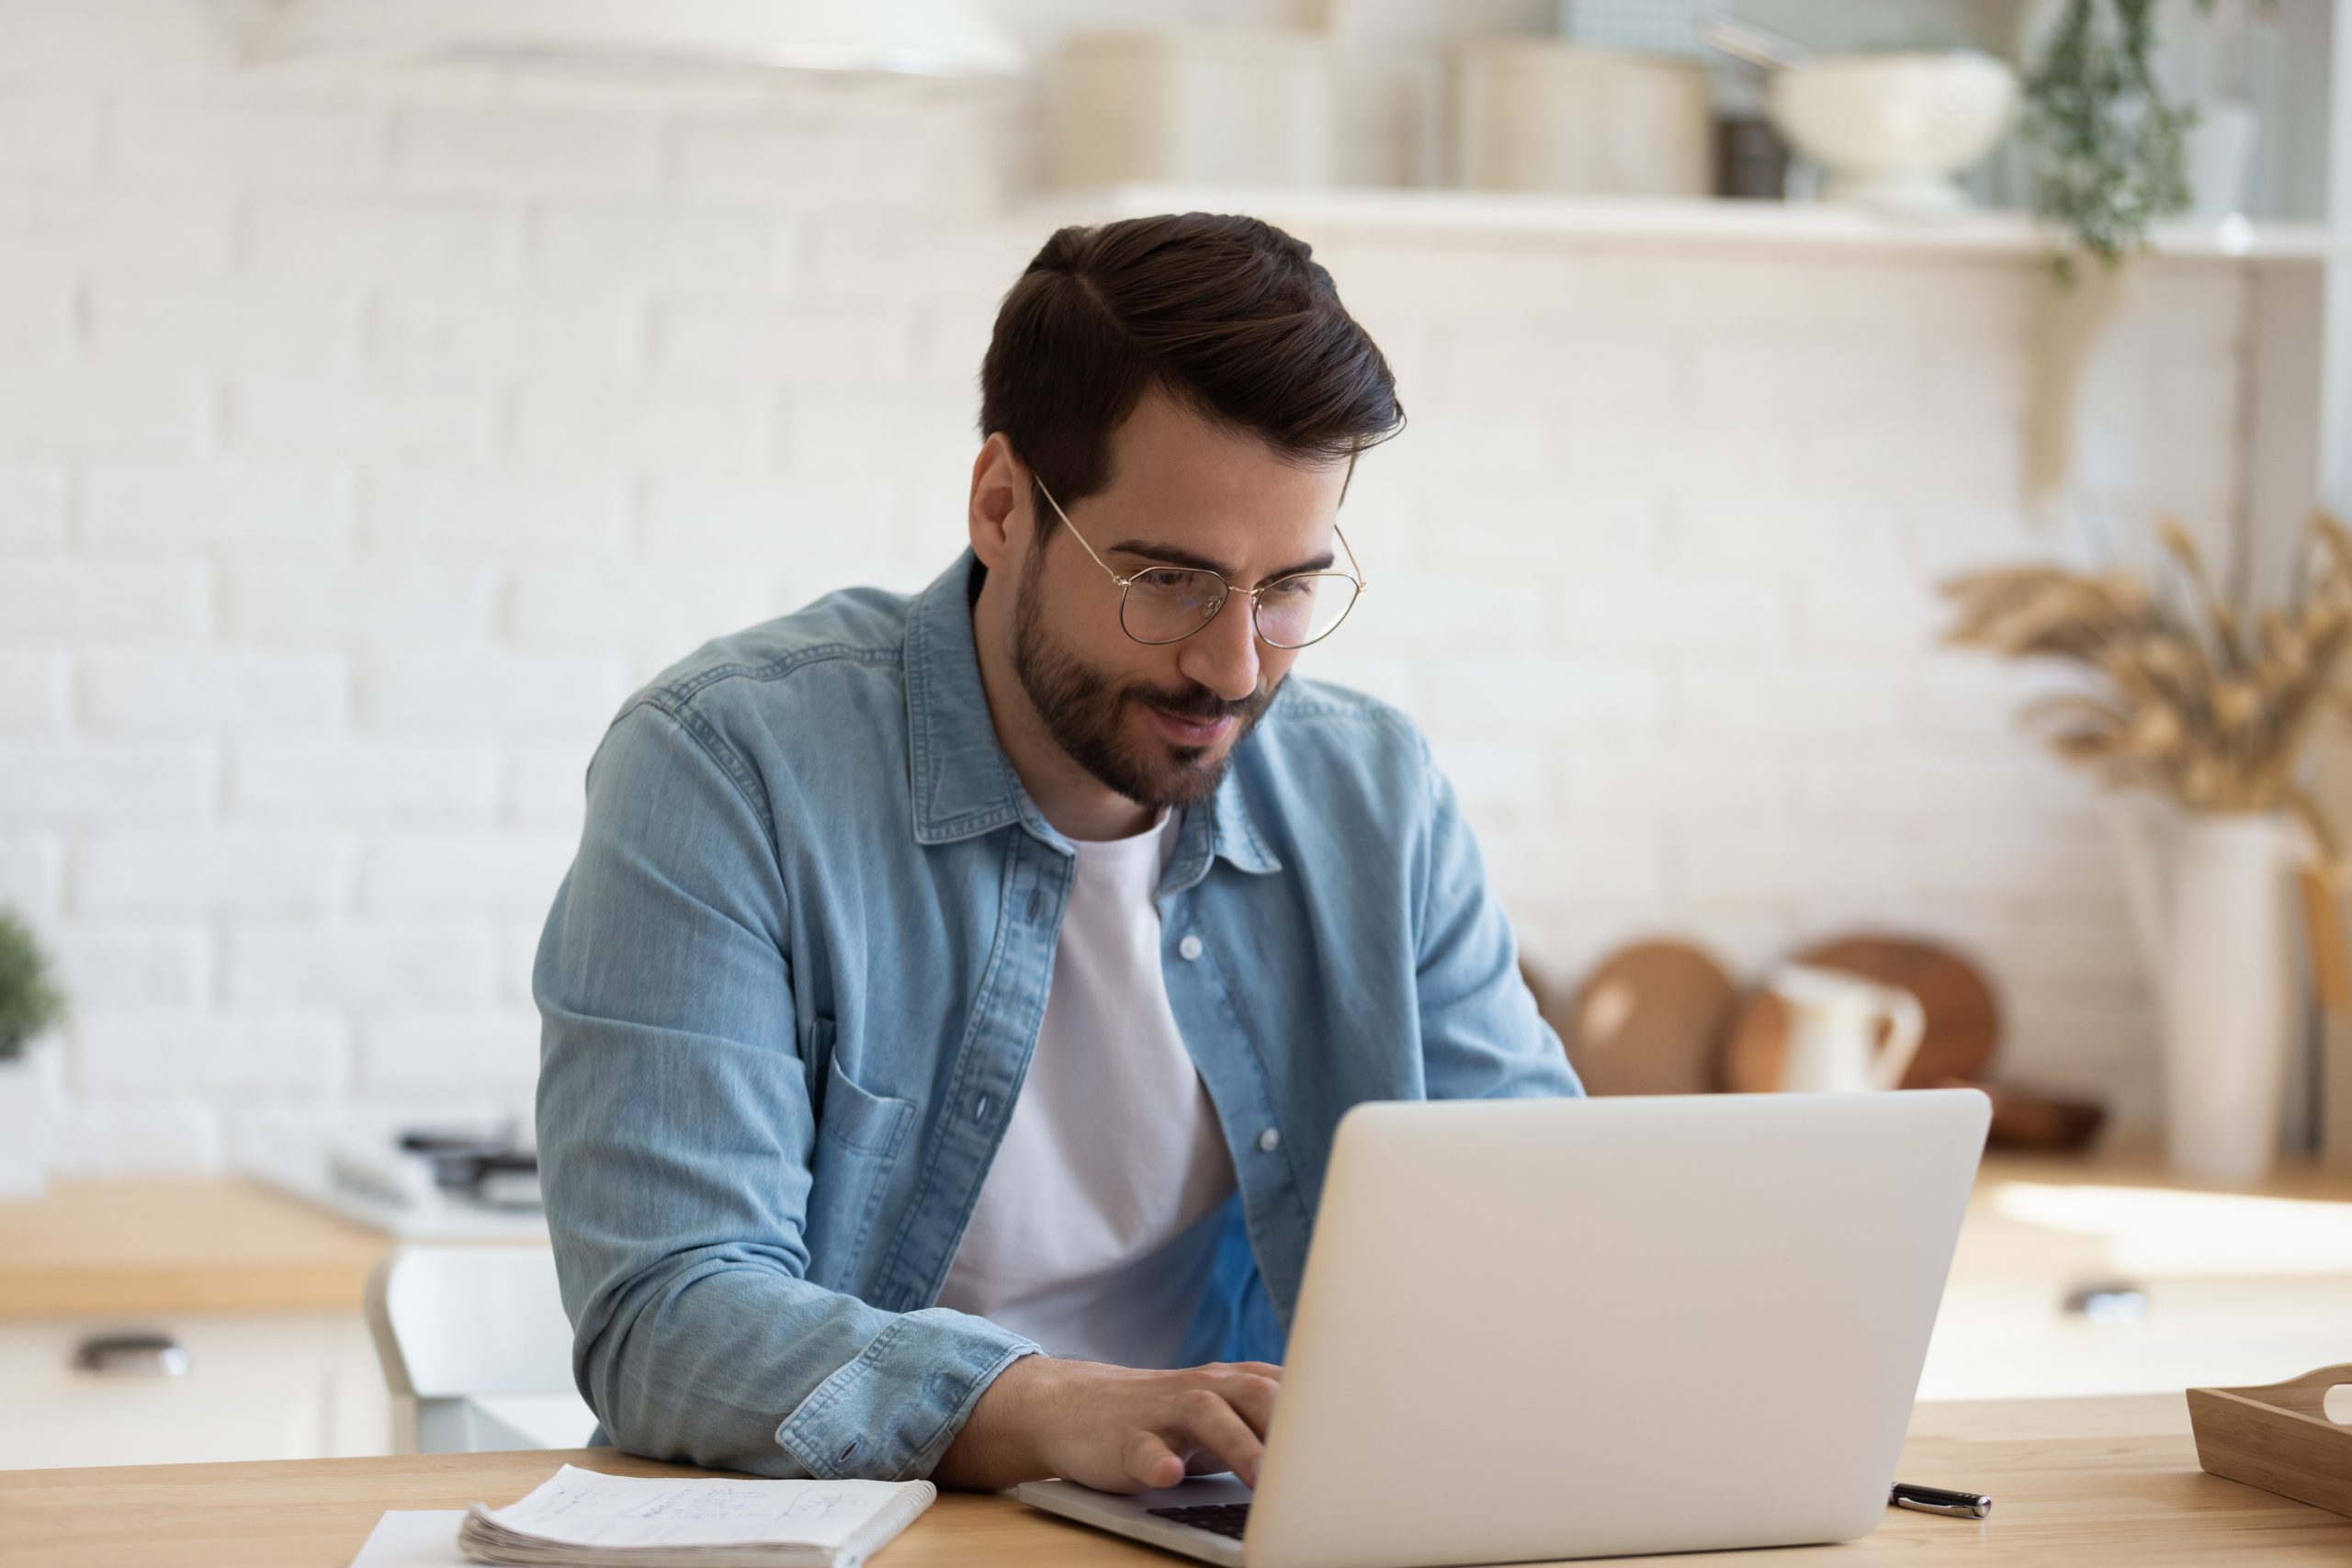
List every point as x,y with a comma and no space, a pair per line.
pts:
950,1007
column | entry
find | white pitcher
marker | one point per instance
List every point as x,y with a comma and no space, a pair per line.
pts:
1834,1023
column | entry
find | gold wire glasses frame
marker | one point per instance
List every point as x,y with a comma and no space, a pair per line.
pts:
1179,600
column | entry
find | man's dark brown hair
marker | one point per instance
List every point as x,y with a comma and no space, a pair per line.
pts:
1227,315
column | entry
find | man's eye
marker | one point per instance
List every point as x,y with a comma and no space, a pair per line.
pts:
1291,588
1167,581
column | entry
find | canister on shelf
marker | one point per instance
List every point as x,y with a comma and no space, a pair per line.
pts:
1751,156
1538,114
1194,105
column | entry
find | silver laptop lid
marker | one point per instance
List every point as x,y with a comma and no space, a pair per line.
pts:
1547,1328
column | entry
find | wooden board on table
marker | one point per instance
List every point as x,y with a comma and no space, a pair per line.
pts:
1648,1019
2278,1437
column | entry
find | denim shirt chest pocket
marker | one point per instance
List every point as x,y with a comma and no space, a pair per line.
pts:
859,1135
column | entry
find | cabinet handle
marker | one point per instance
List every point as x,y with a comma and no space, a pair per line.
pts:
131,1356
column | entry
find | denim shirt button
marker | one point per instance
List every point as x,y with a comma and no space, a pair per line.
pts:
1269,1141
1189,949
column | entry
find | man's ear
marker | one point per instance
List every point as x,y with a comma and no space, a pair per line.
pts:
1000,521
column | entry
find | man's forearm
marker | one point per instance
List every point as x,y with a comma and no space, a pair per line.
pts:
997,1446
733,1363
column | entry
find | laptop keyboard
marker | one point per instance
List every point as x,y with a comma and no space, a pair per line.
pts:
1223,1518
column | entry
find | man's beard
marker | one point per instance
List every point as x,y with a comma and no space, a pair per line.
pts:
1083,713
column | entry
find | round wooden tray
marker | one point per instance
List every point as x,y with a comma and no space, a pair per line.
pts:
1648,1019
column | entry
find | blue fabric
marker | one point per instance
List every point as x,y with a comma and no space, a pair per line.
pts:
792,979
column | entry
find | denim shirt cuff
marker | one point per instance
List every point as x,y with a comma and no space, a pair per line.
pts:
890,1414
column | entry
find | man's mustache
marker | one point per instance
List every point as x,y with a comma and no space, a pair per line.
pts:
1200,705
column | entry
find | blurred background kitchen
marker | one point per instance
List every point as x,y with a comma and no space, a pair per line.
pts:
390,386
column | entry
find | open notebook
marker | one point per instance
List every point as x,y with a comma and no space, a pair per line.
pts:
582,1516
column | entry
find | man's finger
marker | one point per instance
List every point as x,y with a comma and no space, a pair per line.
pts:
1151,1461
1208,1420
1252,1394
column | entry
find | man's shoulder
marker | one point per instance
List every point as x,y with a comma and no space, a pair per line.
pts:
855,633
1318,731
810,704
1337,712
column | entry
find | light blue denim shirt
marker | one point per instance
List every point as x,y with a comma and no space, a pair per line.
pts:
792,979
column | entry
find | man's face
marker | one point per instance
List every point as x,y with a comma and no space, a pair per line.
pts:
1157,724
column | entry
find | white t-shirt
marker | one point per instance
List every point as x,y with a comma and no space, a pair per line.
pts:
1094,1230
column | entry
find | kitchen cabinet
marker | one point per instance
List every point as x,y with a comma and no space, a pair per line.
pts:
2192,1286
183,1320
241,1385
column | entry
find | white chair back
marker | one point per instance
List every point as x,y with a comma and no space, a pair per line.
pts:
476,1349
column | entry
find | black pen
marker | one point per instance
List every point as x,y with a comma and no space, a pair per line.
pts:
1935,1500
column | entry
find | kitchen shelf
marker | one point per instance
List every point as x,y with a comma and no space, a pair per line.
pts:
1670,220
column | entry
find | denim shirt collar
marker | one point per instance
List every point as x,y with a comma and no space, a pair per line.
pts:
964,784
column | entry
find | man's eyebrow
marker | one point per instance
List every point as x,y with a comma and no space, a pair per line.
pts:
1175,555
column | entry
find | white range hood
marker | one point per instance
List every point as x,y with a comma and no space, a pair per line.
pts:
931,37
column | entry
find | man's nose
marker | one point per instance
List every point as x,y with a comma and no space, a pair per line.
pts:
1222,655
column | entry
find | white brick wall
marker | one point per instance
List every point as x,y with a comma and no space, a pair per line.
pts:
362,440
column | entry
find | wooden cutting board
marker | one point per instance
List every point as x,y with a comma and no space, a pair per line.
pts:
1648,1019
1963,1019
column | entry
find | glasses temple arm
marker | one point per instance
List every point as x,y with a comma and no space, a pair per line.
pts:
1074,534
1362,581
1345,481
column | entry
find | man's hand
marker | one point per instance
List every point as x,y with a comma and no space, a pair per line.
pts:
1113,1428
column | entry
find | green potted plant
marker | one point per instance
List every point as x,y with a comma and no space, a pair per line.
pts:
30,1005
2107,151
2105,145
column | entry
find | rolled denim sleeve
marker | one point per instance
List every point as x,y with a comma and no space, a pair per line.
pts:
676,1130
1481,1036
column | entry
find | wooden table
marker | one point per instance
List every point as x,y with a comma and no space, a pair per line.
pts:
2076,1481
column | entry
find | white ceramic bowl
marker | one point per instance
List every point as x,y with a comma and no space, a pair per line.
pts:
1891,130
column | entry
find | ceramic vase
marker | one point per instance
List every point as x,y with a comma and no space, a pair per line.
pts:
2209,894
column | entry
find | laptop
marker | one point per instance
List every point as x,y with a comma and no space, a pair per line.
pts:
1547,1328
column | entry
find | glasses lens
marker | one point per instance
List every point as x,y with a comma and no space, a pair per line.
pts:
1170,602
1295,611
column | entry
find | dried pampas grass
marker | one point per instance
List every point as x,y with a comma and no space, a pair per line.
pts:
2197,705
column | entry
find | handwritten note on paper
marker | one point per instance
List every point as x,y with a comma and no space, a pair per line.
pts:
582,1507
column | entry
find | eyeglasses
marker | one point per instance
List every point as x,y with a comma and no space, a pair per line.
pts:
1168,603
